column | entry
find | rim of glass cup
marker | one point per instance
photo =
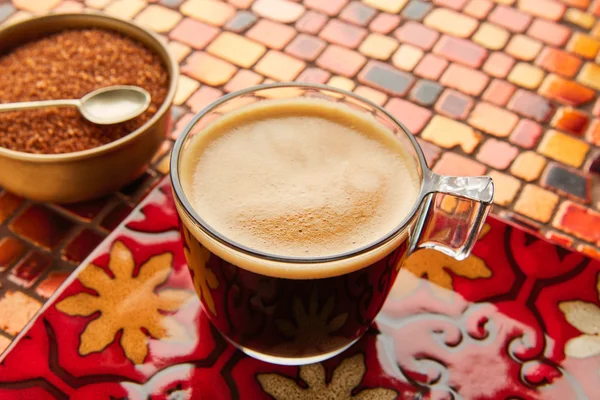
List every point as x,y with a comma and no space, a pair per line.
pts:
214,234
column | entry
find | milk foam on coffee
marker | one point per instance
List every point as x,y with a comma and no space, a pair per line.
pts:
301,178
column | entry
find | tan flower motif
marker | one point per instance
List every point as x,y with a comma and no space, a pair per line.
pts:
312,332
347,376
435,266
586,318
127,303
204,279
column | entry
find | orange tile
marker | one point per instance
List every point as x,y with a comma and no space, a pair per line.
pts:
341,60
194,33
210,11
278,10
548,9
590,75
549,32
203,97
505,187
271,34
580,18
208,69
564,148
570,120
526,75
498,64
242,80
451,22
528,166
237,49
558,61
536,203
378,46
565,91
279,66
498,92
583,45
456,165
523,47
464,79
16,310
448,133
159,19
493,120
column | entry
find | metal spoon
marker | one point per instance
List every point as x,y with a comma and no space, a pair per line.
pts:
109,105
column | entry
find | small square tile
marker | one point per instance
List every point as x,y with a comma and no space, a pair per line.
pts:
236,49
493,120
16,310
570,120
464,79
496,153
278,10
564,148
579,221
583,45
41,226
526,75
558,61
330,7
81,246
375,96
208,69
456,165
384,23
341,82
454,104
194,33
491,36
565,91
431,67
549,32
590,75
411,115
341,61
461,51
378,46
407,57
29,270
342,33
9,203
271,34
389,6
567,182
548,9
528,166
416,34
159,19
241,21
498,65
478,8
509,18
416,10
453,4
523,47
279,66
11,250
112,220
48,286
526,134
311,22
451,22
425,92
530,105
203,97
185,87
210,11
498,92
179,50
306,47
125,9
505,188
357,13
580,18
593,134
386,78
536,203
313,75
448,133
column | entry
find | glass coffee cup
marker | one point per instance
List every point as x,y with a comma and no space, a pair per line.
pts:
262,304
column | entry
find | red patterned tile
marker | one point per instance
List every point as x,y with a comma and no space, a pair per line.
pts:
570,120
416,34
499,92
48,286
311,22
464,79
29,270
498,64
194,33
460,50
41,226
342,33
497,153
454,104
386,78
411,115
565,91
531,105
457,165
526,134
510,18
549,32
11,249
384,23
81,246
558,61
430,67
9,203
579,221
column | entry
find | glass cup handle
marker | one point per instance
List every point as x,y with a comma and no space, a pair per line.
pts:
452,213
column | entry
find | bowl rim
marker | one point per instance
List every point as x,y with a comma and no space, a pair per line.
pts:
172,69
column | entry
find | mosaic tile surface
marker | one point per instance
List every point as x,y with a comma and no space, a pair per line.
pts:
503,87
517,319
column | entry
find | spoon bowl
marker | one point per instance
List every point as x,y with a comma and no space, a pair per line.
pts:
114,104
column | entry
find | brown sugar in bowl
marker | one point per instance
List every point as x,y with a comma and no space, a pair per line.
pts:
90,173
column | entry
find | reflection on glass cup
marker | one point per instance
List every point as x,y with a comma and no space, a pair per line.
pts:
268,305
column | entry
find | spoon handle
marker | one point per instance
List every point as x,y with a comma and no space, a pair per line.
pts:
27,105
